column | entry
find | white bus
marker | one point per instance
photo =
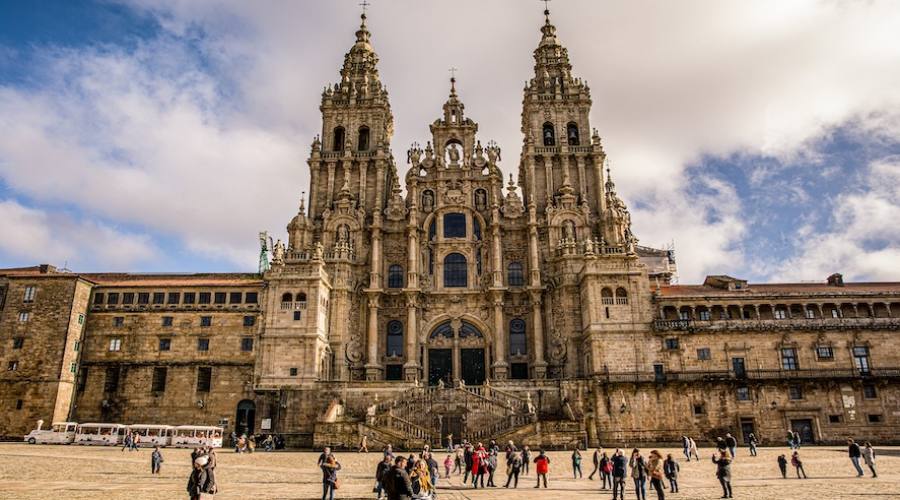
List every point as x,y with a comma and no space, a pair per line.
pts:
190,436
153,435
100,434
58,433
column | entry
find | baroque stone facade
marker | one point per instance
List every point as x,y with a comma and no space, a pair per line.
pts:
469,305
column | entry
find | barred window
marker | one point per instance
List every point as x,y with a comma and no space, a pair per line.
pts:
394,338
455,271
174,298
159,297
789,359
112,299
203,345
703,354
515,274
204,378
127,298
454,225
743,393
518,341
190,297
824,352
143,298
395,276
205,297
111,382
158,384
29,294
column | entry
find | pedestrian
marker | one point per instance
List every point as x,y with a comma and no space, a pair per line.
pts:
433,472
458,460
596,462
655,470
198,481
397,484
619,471
513,467
234,441
855,454
388,451
491,467
731,444
671,470
752,442
156,460
542,467
363,445
126,441
450,442
251,444
686,447
381,471
638,474
720,444
605,471
526,460
576,463
790,439
723,473
326,452
693,449
868,454
479,465
329,477
782,465
798,464
448,464
467,461
796,440
421,479
135,441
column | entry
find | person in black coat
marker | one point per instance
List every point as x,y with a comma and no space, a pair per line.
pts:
723,472
397,484
381,472
619,471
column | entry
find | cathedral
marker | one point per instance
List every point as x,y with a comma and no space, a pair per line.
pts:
468,305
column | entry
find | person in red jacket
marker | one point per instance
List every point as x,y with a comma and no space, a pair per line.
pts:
479,465
542,467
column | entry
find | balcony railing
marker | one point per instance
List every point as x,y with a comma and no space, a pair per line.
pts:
776,324
759,374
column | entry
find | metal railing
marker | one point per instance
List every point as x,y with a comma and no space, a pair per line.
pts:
775,324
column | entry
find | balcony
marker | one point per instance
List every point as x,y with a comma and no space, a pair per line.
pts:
692,325
761,374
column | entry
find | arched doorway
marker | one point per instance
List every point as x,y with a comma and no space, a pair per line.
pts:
245,420
456,351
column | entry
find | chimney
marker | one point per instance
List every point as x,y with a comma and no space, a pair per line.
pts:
47,269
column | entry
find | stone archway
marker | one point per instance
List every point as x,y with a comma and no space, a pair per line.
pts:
456,351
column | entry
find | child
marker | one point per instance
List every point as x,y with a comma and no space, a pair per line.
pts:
782,464
795,461
542,467
156,460
448,463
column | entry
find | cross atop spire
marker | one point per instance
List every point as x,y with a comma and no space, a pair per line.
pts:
546,9
365,5
453,71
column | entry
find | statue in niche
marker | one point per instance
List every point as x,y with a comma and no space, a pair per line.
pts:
480,199
453,153
569,230
343,233
427,200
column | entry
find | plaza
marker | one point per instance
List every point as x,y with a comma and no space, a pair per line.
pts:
74,472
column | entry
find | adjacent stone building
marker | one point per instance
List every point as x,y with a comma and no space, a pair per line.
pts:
469,305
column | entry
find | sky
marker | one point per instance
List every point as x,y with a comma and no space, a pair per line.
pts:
761,139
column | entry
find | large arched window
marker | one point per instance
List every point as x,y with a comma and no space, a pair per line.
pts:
287,297
454,225
514,274
518,343
363,142
572,134
455,271
394,338
621,296
395,276
443,330
549,135
337,140
606,296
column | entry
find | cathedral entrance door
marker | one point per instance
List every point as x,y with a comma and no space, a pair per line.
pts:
246,418
440,366
472,366
452,424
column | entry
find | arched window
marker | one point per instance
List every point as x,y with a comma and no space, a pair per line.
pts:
395,276
606,296
514,274
549,135
363,142
287,297
621,296
443,330
454,225
301,297
518,344
337,141
455,271
572,134
394,338
467,329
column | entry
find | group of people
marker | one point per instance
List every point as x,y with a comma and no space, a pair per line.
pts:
248,444
202,481
131,441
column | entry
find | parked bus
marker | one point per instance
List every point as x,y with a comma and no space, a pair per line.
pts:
100,434
189,436
58,433
153,435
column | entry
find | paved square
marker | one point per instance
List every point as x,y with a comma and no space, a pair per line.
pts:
75,472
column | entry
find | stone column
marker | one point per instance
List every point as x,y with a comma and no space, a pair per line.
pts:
500,342
457,374
540,366
601,188
363,166
313,187
411,367
373,366
582,188
332,166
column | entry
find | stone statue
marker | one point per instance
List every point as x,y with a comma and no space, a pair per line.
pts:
480,199
569,230
278,252
493,153
319,251
427,201
529,405
414,154
453,153
343,233
440,383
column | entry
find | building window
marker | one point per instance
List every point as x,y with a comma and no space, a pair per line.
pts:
205,298
127,298
875,418
119,321
29,294
98,298
111,382
249,320
77,346
165,344
703,354
743,393
73,367
220,297
205,320
835,313
861,359
789,359
572,134
824,352
112,299
293,372
12,366
684,315
780,314
672,343
699,409
455,271
80,319
454,225
247,344
18,342
363,142
518,371
869,391
337,139
251,298
115,344
204,378
143,298
190,297
19,404
166,321
518,342
515,274
621,296
24,317
235,297
394,339
834,419
795,392
159,297
301,298
174,298
704,315
297,315
549,135
810,314
395,276
393,372
202,344
158,384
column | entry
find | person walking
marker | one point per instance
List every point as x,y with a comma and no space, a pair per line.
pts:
542,467
479,465
526,460
855,453
723,473
671,470
868,454
198,481
720,444
655,471
693,449
156,460
686,447
576,463
790,439
798,464
363,444
782,465
458,460
397,484
596,461
467,460
605,471
329,477
491,467
381,471
448,464
731,444
326,452
421,479
126,441
752,442
796,440
638,474
513,467
619,471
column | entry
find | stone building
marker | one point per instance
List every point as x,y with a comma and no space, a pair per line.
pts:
469,305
